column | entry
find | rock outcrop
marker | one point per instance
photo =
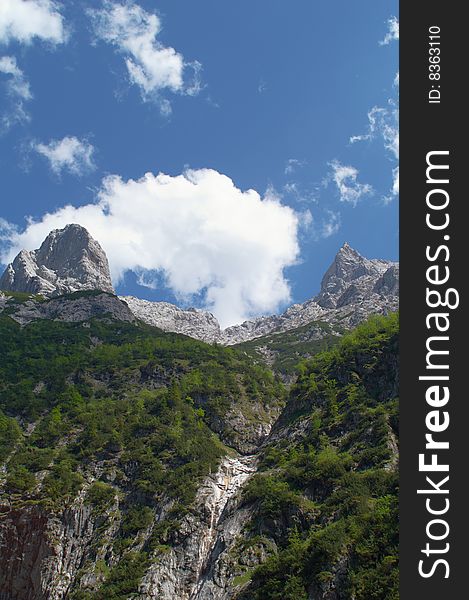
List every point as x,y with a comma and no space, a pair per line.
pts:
189,570
199,324
352,289
73,308
68,260
54,546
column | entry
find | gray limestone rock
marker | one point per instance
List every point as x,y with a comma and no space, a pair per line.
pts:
68,260
71,309
353,288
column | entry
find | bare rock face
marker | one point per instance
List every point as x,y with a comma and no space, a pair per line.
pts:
195,323
352,289
197,567
45,551
69,260
70,309
348,267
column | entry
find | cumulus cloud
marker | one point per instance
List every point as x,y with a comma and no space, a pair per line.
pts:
24,20
345,178
151,66
197,232
68,154
392,33
18,92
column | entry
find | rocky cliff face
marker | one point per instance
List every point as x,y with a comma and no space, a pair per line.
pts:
89,504
60,549
71,308
42,552
68,260
190,569
352,289
195,323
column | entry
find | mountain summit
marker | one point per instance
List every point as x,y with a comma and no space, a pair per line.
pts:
68,260
348,268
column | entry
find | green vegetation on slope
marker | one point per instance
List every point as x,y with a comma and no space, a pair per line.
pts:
326,493
133,418
127,413
283,351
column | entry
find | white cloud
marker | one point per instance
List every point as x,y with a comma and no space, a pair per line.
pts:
18,91
395,181
68,154
345,178
292,165
18,85
394,191
151,66
305,219
292,188
383,123
392,33
24,20
197,231
330,224
7,230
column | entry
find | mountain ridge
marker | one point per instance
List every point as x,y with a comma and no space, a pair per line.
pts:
353,288
70,260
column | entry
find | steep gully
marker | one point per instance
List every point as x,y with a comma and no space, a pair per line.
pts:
232,474
196,567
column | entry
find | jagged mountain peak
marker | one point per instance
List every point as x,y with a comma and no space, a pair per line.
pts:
68,260
348,267
347,256
346,262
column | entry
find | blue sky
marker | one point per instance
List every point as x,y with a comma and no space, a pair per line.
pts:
295,100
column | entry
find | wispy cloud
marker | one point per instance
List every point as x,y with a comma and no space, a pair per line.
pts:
345,178
24,20
18,92
330,224
151,66
68,154
262,87
383,122
18,86
293,164
393,32
395,181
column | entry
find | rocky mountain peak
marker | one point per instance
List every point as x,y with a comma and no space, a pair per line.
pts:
68,260
348,266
